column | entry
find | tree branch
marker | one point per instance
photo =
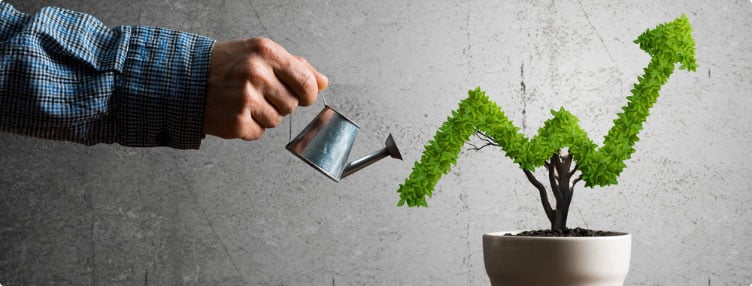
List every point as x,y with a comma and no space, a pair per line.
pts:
487,141
553,178
576,180
544,197
574,170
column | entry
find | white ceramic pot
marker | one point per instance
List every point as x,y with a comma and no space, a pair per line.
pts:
552,261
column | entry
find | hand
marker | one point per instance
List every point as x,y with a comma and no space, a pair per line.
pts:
254,83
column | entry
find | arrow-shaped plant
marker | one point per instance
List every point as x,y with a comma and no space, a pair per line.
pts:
667,44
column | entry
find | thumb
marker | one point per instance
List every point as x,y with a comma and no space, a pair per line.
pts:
321,79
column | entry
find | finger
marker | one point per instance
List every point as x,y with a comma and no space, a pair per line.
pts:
251,130
298,78
281,98
264,113
264,94
321,80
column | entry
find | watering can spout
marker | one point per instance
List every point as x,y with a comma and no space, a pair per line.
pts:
390,149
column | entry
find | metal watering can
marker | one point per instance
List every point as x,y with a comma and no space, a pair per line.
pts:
325,144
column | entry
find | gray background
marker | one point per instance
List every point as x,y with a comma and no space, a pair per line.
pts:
249,213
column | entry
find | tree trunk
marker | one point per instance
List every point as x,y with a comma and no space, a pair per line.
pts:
560,173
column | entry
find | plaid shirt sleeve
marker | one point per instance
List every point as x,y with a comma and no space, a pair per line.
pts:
64,75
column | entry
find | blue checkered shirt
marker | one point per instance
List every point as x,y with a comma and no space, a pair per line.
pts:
64,75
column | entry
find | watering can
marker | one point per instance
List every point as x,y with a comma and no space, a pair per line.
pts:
325,144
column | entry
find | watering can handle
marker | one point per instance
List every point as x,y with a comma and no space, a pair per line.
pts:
323,97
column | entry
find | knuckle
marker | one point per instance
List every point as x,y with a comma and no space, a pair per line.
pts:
288,106
246,129
264,47
302,60
245,98
275,120
253,134
247,69
260,77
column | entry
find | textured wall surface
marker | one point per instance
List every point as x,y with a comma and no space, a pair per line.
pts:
249,213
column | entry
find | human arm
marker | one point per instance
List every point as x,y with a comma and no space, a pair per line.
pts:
66,76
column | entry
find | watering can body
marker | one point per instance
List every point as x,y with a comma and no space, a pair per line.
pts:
325,144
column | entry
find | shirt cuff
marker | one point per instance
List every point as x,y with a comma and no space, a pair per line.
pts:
161,92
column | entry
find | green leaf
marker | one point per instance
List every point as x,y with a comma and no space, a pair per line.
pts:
667,44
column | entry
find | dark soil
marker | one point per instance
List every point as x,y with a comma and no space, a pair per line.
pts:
570,232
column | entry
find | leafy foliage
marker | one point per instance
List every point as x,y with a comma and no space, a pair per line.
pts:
667,44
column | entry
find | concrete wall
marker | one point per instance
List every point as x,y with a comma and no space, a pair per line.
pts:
249,213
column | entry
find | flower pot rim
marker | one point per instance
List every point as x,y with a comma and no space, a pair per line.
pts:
501,234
